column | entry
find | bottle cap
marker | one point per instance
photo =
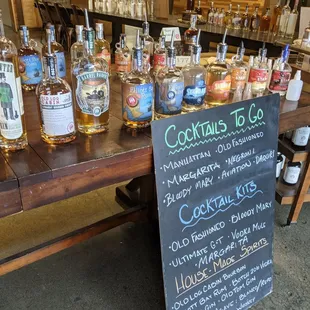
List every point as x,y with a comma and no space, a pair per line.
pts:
79,28
263,51
222,47
99,27
286,52
297,75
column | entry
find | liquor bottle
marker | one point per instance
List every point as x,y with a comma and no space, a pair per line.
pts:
13,134
137,92
30,66
265,21
211,14
190,35
216,17
246,19
239,69
275,18
194,81
258,75
198,9
169,87
146,57
102,46
292,172
221,18
301,136
218,77
139,9
58,50
54,98
281,73
286,10
77,48
190,5
132,8
160,55
149,41
294,87
122,56
228,17
237,19
292,20
255,21
91,87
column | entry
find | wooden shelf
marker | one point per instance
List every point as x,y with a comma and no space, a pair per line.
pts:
293,48
292,152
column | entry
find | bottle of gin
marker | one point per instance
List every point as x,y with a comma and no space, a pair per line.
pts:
30,66
281,73
229,17
149,41
286,10
211,14
102,46
265,21
54,97
190,35
77,48
122,56
160,55
218,78
237,19
169,87
246,19
255,20
194,81
292,20
275,18
238,69
58,50
137,92
90,84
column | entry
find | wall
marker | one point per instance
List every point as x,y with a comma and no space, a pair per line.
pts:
6,14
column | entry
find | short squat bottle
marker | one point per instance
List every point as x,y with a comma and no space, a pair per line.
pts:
292,172
301,136
54,97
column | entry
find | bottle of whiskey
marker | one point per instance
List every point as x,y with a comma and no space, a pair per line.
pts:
238,69
102,46
265,21
149,41
198,9
160,55
292,20
190,35
194,81
30,66
77,48
237,19
137,92
218,77
169,87
54,98
211,14
13,134
90,84
122,57
228,18
255,20
286,10
275,18
246,19
58,50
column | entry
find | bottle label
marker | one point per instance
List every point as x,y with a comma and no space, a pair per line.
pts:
57,114
279,80
11,104
258,78
137,102
30,68
195,94
105,54
92,92
301,136
61,64
238,76
168,98
219,90
150,47
123,62
291,174
159,61
236,21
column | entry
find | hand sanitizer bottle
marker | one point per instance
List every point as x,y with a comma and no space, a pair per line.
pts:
295,87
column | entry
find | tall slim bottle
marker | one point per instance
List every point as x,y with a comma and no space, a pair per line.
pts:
102,46
149,41
229,17
91,87
77,48
160,55
292,20
190,35
246,19
122,56
286,10
275,18
237,19
255,21
265,21
211,14
13,134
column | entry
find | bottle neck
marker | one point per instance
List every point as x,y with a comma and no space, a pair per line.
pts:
50,67
171,59
162,43
146,28
24,39
296,5
79,37
122,42
89,44
99,34
2,34
195,56
137,63
246,10
52,33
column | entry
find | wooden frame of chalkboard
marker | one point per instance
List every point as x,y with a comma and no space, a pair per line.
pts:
215,176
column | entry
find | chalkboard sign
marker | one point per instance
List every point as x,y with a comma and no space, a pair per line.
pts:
215,177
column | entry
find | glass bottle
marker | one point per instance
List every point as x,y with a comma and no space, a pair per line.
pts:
102,46
211,14
218,77
292,20
228,17
216,17
169,87
221,18
122,56
58,50
137,92
265,21
160,55
54,98
255,20
198,9
91,87
146,57
246,19
139,8
149,41
281,73
13,134
258,75
238,69
194,81
77,48
190,5
286,10
237,18
275,18
30,66
190,35
292,173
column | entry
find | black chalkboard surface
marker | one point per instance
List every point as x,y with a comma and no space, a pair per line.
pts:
215,177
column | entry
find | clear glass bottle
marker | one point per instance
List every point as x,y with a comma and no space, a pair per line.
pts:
246,19
255,20
216,17
221,18
281,73
58,50
91,87
194,81
198,9
160,55
169,87
139,8
228,17
238,69
190,35
30,66
137,92
146,57
292,20
265,21
237,19
54,98
218,77
149,41
102,46
77,48
286,10
275,18
13,134
211,14
122,56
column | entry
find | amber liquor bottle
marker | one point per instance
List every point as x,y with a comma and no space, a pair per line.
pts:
265,21
190,36
255,21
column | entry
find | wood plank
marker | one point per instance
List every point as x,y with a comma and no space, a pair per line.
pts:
292,152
